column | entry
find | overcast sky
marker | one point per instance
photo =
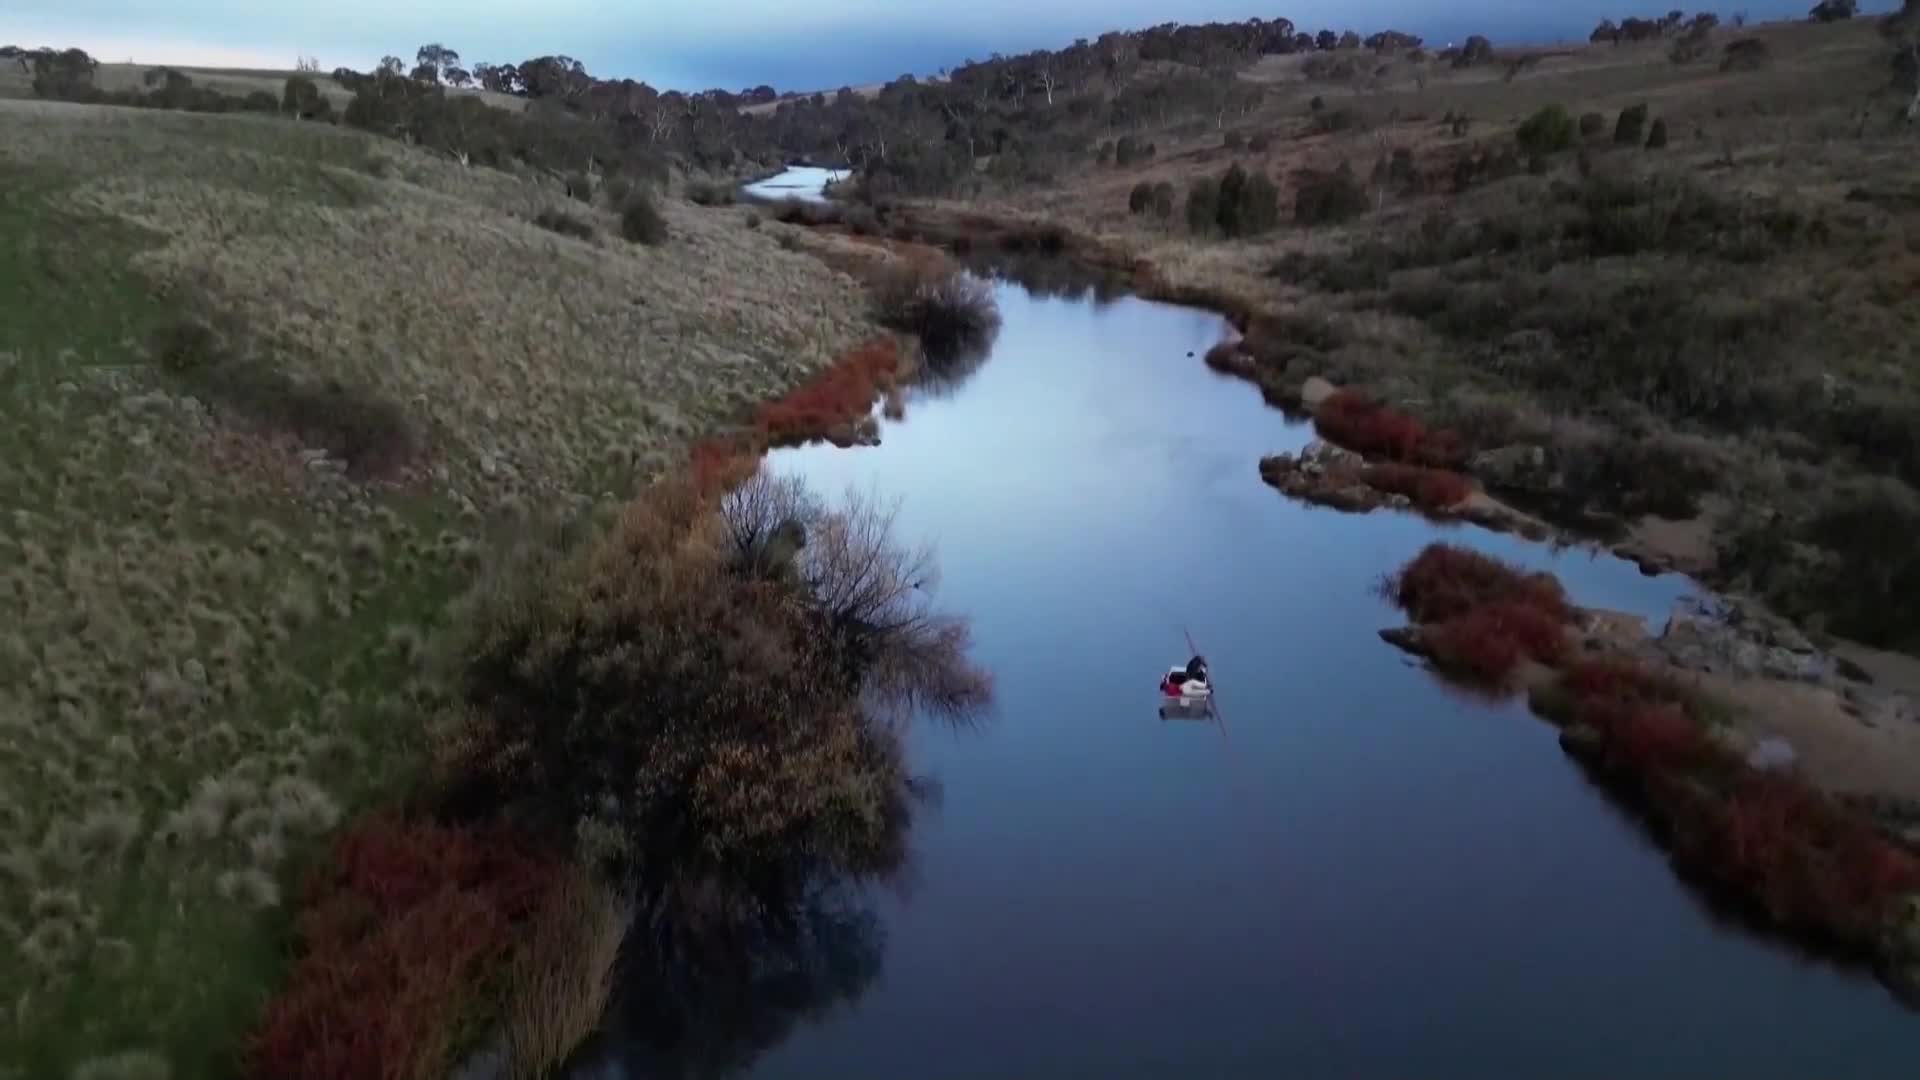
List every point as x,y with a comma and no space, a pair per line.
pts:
696,44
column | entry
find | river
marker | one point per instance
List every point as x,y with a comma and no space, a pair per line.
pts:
1358,873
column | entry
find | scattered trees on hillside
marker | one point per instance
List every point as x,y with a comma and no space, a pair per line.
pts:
433,63
1477,50
1548,131
67,74
302,98
1392,41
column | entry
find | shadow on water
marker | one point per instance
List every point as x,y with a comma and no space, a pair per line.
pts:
714,974
707,994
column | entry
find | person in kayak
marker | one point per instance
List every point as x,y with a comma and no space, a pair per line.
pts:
1179,681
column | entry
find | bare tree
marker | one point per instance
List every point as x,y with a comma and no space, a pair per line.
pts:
1049,82
875,598
660,124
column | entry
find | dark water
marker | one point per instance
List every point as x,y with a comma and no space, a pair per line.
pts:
1363,874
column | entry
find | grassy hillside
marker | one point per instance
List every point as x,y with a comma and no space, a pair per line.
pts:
268,387
17,82
1716,329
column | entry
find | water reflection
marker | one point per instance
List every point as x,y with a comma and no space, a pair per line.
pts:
701,999
713,974
806,183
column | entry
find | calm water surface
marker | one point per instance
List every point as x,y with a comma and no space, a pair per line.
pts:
807,184
1363,874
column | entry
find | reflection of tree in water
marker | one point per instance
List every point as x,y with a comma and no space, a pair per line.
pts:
1052,277
944,371
714,975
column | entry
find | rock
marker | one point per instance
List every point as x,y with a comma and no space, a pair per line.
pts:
1771,754
1521,466
1582,742
1406,639
1735,638
68,388
1316,390
194,672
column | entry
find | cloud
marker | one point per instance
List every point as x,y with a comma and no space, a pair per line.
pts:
819,44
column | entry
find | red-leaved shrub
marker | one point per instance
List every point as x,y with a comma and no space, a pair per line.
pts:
836,397
1358,423
720,465
1489,641
1445,580
399,932
1473,646
1770,841
1808,864
1430,489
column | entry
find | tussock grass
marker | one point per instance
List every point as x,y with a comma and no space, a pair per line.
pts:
213,648
561,974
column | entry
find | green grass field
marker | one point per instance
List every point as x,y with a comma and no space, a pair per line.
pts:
219,648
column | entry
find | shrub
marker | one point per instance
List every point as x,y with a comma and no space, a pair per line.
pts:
580,186
709,193
1360,424
1430,489
616,190
1548,131
1260,142
686,720
260,101
1246,203
753,220
831,400
1631,127
559,221
1203,204
950,311
1164,200
1446,581
399,932
1592,125
1827,11
301,97
1129,150
1233,140
640,221
1326,198
1477,50
1657,136
1140,200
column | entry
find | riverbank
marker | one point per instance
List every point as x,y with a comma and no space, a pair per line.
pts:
276,392
1528,297
1718,784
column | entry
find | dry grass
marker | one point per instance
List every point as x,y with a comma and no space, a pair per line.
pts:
561,974
214,637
